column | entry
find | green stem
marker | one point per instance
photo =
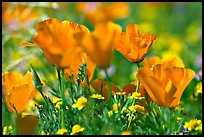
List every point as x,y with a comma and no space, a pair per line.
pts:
62,89
109,85
138,83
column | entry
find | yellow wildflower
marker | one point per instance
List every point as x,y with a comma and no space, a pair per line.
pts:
178,119
136,108
76,129
110,113
194,124
67,107
61,131
7,130
179,106
126,132
98,96
115,107
198,89
81,102
136,96
58,101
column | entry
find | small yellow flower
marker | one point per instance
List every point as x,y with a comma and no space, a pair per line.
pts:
126,132
61,131
43,133
67,107
76,129
178,119
136,96
194,124
115,107
179,106
98,96
110,113
198,89
7,130
139,108
81,102
136,108
58,101
131,108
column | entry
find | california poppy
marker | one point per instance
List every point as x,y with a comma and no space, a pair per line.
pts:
165,83
74,69
18,90
56,39
133,45
20,13
99,44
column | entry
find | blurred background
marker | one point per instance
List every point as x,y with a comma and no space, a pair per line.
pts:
177,25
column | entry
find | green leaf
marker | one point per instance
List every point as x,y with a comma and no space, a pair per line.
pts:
36,79
37,82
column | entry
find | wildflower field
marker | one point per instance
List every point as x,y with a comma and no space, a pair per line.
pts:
101,68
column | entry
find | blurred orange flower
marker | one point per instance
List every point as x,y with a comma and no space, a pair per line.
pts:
83,58
19,13
99,44
133,45
165,81
18,90
56,39
102,11
26,124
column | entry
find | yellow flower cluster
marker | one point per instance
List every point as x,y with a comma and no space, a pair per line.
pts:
194,124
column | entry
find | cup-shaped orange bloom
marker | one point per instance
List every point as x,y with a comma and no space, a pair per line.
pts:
133,45
74,69
99,44
18,90
165,83
100,11
56,39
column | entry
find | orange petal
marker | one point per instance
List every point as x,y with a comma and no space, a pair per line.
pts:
115,89
133,30
11,79
153,86
149,62
186,76
173,61
129,88
19,97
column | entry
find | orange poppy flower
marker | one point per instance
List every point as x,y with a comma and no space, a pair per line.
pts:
75,67
133,45
165,82
56,39
18,90
99,44
101,12
19,13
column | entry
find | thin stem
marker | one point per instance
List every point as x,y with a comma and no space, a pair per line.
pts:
138,83
62,82
109,84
